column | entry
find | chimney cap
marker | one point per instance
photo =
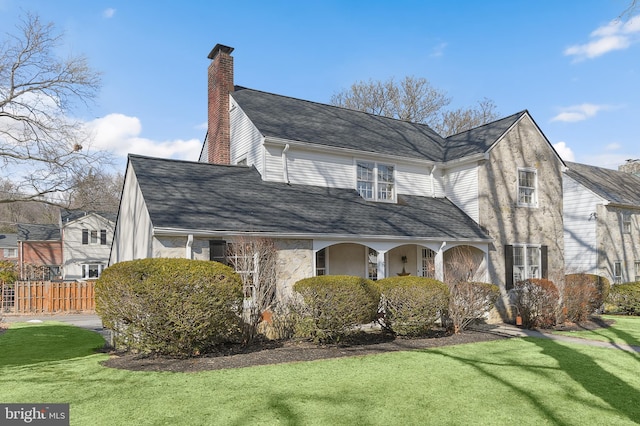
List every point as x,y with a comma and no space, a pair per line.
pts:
220,48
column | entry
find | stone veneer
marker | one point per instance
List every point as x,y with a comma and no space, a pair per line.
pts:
506,222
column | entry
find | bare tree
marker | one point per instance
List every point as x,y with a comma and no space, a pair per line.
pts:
42,149
463,119
97,191
255,260
413,99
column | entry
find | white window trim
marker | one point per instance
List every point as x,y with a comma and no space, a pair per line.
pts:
10,253
527,267
637,270
376,182
367,254
626,222
534,203
421,261
85,270
617,267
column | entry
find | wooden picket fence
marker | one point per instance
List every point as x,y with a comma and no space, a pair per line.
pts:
44,297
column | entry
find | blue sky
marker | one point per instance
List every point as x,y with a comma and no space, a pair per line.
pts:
574,64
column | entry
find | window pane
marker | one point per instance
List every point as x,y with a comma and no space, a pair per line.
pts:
365,189
94,237
85,236
526,187
103,236
533,262
365,171
372,269
321,262
428,265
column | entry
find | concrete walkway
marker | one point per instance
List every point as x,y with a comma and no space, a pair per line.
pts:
509,330
87,321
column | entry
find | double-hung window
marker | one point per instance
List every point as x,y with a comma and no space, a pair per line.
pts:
93,237
10,253
375,181
626,223
525,261
527,187
617,272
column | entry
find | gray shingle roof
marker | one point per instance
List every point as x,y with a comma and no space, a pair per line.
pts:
479,139
612,185
30,232
190,195
71,215
8,240
305,121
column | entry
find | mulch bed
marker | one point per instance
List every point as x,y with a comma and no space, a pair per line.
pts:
279,352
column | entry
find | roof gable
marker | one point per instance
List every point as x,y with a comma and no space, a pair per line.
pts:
217,198
68,216
479,139
299,120
612,185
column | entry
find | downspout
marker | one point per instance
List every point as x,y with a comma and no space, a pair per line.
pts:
433,185
285,167
188,250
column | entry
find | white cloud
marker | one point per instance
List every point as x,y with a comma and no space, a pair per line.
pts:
438,50
108,13
120,134
616,35
579,112
564,151
613,147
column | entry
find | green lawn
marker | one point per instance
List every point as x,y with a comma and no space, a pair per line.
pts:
517,381
625,330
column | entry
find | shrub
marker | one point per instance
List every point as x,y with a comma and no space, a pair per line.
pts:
334,305
177,307
536,301
470,301
412,305
583,295
625,298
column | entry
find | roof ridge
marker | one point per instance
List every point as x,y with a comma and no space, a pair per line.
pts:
343,109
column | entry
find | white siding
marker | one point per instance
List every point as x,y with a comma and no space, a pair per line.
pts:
413,180
75,254
273,167
326,170
580,242
462,189
246,140
133,232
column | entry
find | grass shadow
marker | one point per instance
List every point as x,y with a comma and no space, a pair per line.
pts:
25,344
611,389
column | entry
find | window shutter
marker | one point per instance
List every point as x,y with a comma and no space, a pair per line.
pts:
103,236
218,251
85,236
544,264
508,266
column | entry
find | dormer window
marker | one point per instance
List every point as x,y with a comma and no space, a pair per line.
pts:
375,181
527,188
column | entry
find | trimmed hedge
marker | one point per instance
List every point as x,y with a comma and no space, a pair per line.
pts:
624,298
583,295
177,307
335,304
412,305
536,301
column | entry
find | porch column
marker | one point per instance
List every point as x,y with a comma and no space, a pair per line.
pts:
438,262
382,265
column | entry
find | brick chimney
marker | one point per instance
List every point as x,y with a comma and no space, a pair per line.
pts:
220,85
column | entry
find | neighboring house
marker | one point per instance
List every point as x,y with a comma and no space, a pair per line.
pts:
9,247
602,222
346,192
39,252
86,242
